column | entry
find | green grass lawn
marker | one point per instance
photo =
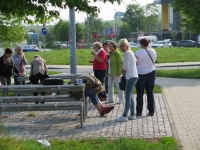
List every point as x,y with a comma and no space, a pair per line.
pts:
166,143
180,73
164,55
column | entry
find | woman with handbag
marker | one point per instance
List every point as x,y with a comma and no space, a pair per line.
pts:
129,68
114,72
146,58
38,72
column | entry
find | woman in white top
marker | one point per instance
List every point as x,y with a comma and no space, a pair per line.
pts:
146,58
130,70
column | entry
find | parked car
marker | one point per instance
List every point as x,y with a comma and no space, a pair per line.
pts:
162,44
29,48
175,43
196,44
169,41
186,43
133,45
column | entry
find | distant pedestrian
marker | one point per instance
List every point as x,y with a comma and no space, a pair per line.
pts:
114,73
146,58
106,48
130,70
99,66
6,68
38,72
19,64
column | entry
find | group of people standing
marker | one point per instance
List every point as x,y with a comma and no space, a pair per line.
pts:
15,65
139,69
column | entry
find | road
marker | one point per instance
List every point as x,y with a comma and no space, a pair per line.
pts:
88,69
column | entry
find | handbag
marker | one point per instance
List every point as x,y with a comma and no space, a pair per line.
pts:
122,83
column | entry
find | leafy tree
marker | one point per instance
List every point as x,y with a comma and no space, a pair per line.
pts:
189,11
27,37
79,31
95,25
151,17
39,9
61,30
11,31
50,38
134,16
124,31
173,34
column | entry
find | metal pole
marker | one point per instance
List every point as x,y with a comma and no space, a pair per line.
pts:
88,32
44,48
72,42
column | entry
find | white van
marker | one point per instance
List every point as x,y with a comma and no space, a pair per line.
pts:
152,39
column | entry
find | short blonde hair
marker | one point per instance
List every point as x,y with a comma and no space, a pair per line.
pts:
97,44
124,42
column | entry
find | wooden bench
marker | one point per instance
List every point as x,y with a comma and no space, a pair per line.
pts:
59,102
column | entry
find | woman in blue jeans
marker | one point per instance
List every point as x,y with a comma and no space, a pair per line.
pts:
130,70
146,58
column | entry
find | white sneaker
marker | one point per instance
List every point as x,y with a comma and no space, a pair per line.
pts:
119,102
107,102
131,117
121,119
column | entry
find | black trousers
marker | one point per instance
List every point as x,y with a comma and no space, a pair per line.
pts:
100,74
145,82
35,80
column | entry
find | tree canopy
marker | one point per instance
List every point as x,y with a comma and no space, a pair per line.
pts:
189,11
40,8
11,32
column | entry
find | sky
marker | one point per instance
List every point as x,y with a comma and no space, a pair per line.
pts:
107,10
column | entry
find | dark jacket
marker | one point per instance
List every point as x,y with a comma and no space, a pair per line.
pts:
6,70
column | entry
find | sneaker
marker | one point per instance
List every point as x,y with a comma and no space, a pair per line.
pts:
119,102
150,114
131,117
106,110
121,119
109,101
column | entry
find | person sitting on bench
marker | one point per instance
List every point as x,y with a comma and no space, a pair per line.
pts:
93,87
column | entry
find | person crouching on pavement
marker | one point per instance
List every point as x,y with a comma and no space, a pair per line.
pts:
93,87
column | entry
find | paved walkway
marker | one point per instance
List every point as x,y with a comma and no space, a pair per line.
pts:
177,114
183,99
65,124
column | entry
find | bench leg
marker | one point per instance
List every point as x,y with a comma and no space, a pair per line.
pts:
81,115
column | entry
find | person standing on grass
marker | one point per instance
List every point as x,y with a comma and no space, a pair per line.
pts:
106,48
114,73
6,68
130,70
99,66
146,58
19,64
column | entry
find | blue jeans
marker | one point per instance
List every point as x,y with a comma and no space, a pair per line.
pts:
129,102
92,96
146,82
17,82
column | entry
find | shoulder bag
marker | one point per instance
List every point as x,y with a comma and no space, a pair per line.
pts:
150,57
